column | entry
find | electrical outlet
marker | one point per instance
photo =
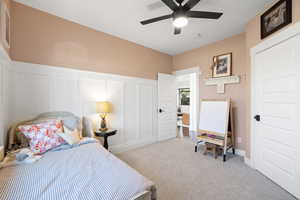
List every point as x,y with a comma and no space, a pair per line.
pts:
239,140
1,153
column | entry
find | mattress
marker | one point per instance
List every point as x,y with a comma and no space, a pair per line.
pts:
87,172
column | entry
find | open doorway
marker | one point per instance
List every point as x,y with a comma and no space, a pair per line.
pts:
187,90
183,93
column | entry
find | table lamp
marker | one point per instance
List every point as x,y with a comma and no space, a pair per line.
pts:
103,108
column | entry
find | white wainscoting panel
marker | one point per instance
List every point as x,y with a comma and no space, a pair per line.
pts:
1,87
146,112
40,88
4,95
91,91
131,112
65,94
31,95
115,95
2,106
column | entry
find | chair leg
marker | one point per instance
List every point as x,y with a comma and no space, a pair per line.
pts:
224,158
196,148
233,150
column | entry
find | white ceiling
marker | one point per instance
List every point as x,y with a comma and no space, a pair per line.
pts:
121,18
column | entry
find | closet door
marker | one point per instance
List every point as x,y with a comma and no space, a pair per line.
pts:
277,126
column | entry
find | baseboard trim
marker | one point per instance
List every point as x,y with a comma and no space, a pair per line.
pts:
116,149
240,152
130,146
248,162
168,137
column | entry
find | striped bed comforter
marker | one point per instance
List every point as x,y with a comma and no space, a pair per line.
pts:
87,172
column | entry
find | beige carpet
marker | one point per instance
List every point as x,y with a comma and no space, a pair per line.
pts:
181,174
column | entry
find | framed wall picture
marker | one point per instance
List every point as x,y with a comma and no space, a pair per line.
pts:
222,65
184,96
277,17
5,25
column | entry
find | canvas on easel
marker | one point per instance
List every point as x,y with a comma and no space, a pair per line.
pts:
216,124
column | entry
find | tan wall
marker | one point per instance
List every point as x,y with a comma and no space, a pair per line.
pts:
240,46
41,38
203,57
8,4
252,39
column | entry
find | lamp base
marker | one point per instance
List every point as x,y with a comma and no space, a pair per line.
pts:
103,127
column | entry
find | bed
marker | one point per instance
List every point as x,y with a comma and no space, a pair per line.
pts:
86,171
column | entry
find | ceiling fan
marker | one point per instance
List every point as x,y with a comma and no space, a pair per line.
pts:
181,13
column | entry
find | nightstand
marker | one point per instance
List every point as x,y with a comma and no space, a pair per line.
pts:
105,135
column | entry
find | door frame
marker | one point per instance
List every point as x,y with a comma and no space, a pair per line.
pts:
187,71
290,32
193,70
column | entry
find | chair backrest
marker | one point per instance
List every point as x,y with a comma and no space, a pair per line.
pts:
186,119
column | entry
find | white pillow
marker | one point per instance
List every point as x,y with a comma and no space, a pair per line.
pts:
71,137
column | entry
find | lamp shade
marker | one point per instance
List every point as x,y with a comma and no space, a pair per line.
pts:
104,107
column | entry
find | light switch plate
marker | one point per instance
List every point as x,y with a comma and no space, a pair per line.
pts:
1,153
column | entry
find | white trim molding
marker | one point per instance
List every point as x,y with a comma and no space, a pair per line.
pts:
288,33
194,81
187,71
240,152
4,55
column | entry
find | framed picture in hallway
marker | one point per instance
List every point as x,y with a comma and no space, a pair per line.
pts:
222,65
184,96
277,17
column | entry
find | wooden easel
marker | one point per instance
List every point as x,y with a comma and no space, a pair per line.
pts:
226,141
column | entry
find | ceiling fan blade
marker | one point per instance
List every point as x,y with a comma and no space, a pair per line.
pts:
177,31
171,4
203,14
149,21
190,4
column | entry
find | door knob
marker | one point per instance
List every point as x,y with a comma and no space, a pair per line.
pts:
160,110
257,118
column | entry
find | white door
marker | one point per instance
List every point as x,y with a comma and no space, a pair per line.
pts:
167,118
277,101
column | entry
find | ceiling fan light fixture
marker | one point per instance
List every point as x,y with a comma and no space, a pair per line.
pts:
181,14
180,22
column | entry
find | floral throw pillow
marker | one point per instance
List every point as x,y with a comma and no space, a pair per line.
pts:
43,136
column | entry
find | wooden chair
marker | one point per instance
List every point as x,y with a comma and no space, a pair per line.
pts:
186,119
184,124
